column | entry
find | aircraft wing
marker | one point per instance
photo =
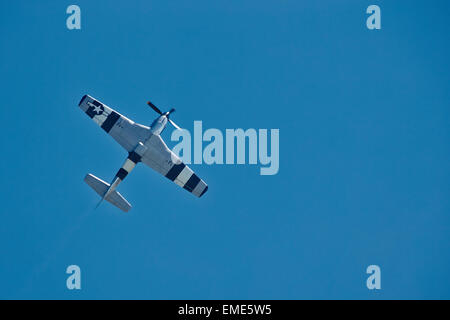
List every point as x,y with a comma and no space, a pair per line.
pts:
160,158
125,131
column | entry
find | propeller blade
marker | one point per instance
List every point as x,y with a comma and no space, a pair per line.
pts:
173,123
171,110
151,105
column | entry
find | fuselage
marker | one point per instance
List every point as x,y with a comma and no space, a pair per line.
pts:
159,124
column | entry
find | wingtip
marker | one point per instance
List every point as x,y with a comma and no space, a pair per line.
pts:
82,99
203,192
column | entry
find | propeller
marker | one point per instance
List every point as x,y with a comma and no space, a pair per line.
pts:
151,105
154,107
173,123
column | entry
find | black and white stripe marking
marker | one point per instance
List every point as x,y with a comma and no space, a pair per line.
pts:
110,121
187,179
129,164
104,116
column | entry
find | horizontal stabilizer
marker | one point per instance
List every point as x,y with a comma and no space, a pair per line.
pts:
101,187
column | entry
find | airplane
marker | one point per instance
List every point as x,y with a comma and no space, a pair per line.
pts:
143,144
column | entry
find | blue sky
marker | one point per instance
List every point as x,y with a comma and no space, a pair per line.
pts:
364,175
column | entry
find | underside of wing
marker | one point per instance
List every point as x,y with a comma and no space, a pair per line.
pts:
126,132
183,176
160,158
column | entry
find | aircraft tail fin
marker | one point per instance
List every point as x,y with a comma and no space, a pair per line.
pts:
100,186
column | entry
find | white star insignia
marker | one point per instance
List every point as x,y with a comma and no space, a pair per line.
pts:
98,109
